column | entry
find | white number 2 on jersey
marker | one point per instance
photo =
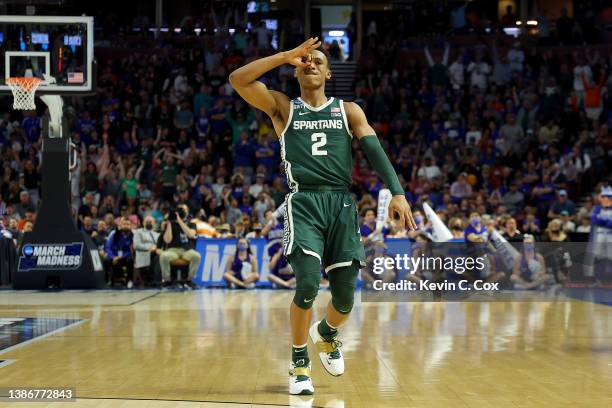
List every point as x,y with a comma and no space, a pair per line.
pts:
319,140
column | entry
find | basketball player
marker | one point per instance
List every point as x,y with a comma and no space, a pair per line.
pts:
321,221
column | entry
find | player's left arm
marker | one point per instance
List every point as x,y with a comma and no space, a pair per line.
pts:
373,150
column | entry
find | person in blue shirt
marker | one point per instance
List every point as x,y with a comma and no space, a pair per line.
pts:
265,153
475,231
244,149
368,228
120,251
476,236
86,124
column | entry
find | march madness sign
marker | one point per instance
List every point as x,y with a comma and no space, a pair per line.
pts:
50,256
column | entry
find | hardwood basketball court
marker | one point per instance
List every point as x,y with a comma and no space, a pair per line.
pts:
218,348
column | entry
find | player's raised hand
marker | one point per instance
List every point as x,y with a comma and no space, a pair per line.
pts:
300,56
400,207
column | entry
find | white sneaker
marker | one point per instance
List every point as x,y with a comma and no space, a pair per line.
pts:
250,285
329,351
300,382
130,284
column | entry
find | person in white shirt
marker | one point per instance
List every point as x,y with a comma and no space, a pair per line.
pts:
473,136
457,73
566,223
429,170
258,187
581,70
181,83
585,225
479,73
145,240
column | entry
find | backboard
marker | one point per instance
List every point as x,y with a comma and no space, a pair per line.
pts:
57,46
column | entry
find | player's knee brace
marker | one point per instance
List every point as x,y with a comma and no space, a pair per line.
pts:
307,270
342,283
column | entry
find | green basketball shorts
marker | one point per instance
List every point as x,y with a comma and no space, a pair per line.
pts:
323,224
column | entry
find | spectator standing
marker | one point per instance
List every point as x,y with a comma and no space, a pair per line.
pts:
479,72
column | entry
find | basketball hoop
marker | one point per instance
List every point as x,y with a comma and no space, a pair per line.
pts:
23,89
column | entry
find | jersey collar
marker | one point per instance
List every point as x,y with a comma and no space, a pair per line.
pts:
317,109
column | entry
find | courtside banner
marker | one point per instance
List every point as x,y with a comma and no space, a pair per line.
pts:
216,253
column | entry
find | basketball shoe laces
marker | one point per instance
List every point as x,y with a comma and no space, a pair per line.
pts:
335,353
300,377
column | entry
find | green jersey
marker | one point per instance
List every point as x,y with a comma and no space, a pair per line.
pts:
316,145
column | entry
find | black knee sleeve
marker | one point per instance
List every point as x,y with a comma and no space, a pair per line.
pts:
307,270
342,283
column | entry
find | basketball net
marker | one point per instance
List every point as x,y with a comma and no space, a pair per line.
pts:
23,89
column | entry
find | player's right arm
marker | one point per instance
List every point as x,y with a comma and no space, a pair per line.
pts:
245,79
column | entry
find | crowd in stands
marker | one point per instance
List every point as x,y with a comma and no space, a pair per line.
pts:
518,137
586,24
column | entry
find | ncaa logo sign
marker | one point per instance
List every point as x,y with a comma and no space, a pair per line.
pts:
50,256
28,250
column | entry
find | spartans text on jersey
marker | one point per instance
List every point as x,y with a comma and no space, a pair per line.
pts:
318,124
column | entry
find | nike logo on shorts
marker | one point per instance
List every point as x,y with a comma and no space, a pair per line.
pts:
346,205
308,300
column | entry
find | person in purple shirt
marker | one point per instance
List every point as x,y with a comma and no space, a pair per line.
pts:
241,269
281,275
238,186
245,206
